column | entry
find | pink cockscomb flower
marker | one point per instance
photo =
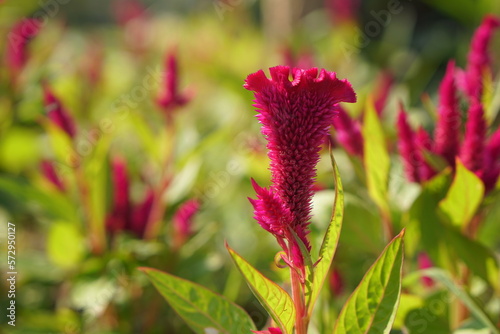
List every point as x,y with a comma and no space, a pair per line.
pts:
472,148
478,59
17,43
48,170
384,82
348,132
424,262
448,125
183,220
57,113
336,282
295,116
270,330
424,144
140,215
119,217
408,148
491,164
170,98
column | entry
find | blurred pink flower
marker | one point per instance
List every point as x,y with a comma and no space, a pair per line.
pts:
169,98
342,11
472,148
57,113
348,132
408,148
119,217
424,262
128,10
17,43
295,117
446,138
48,170
336,282
478,59
491,164
384,84
270,330
183,218
424,144
140,215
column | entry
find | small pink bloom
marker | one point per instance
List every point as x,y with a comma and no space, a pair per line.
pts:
57,113
408,148
424,262
183,218
491,165
50,174
475,134
348,132
295,116
170,98
270,330
336,282
478,59
384,84
342,11
140,215
119,217
128,10
448,125
17,43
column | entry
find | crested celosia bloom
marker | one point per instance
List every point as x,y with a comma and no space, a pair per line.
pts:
183,220
270,330
119,217
18,39
170,98
478,59
446,138
384,84
348,132
424,144
491,165
57,113
295,116
50,174
472,148
408,148
424,262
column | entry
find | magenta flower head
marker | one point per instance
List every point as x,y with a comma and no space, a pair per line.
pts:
270,330
478,60
118,220
408,148
17,43
424,262
348,132
295,116
170,98
49,172
448,125
472,148
491,164
57,114
140,215
183,220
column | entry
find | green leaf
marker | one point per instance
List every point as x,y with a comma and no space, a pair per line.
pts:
65,244
203,310
330,241
376,158
273,298
478,258
464,197
372,306
443,277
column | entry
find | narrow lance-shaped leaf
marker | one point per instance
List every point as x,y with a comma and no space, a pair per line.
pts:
203,310
330,241
443,277
464,196
273,298
371,309
376,158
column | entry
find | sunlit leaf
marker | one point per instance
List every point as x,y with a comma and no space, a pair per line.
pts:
372,306
273,298
376,158
65,244
203,310
464,196
444,278
330,241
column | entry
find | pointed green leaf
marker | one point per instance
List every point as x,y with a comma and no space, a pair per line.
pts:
203,310
273,298
376,158
372,307
463,198
330,241
443,277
